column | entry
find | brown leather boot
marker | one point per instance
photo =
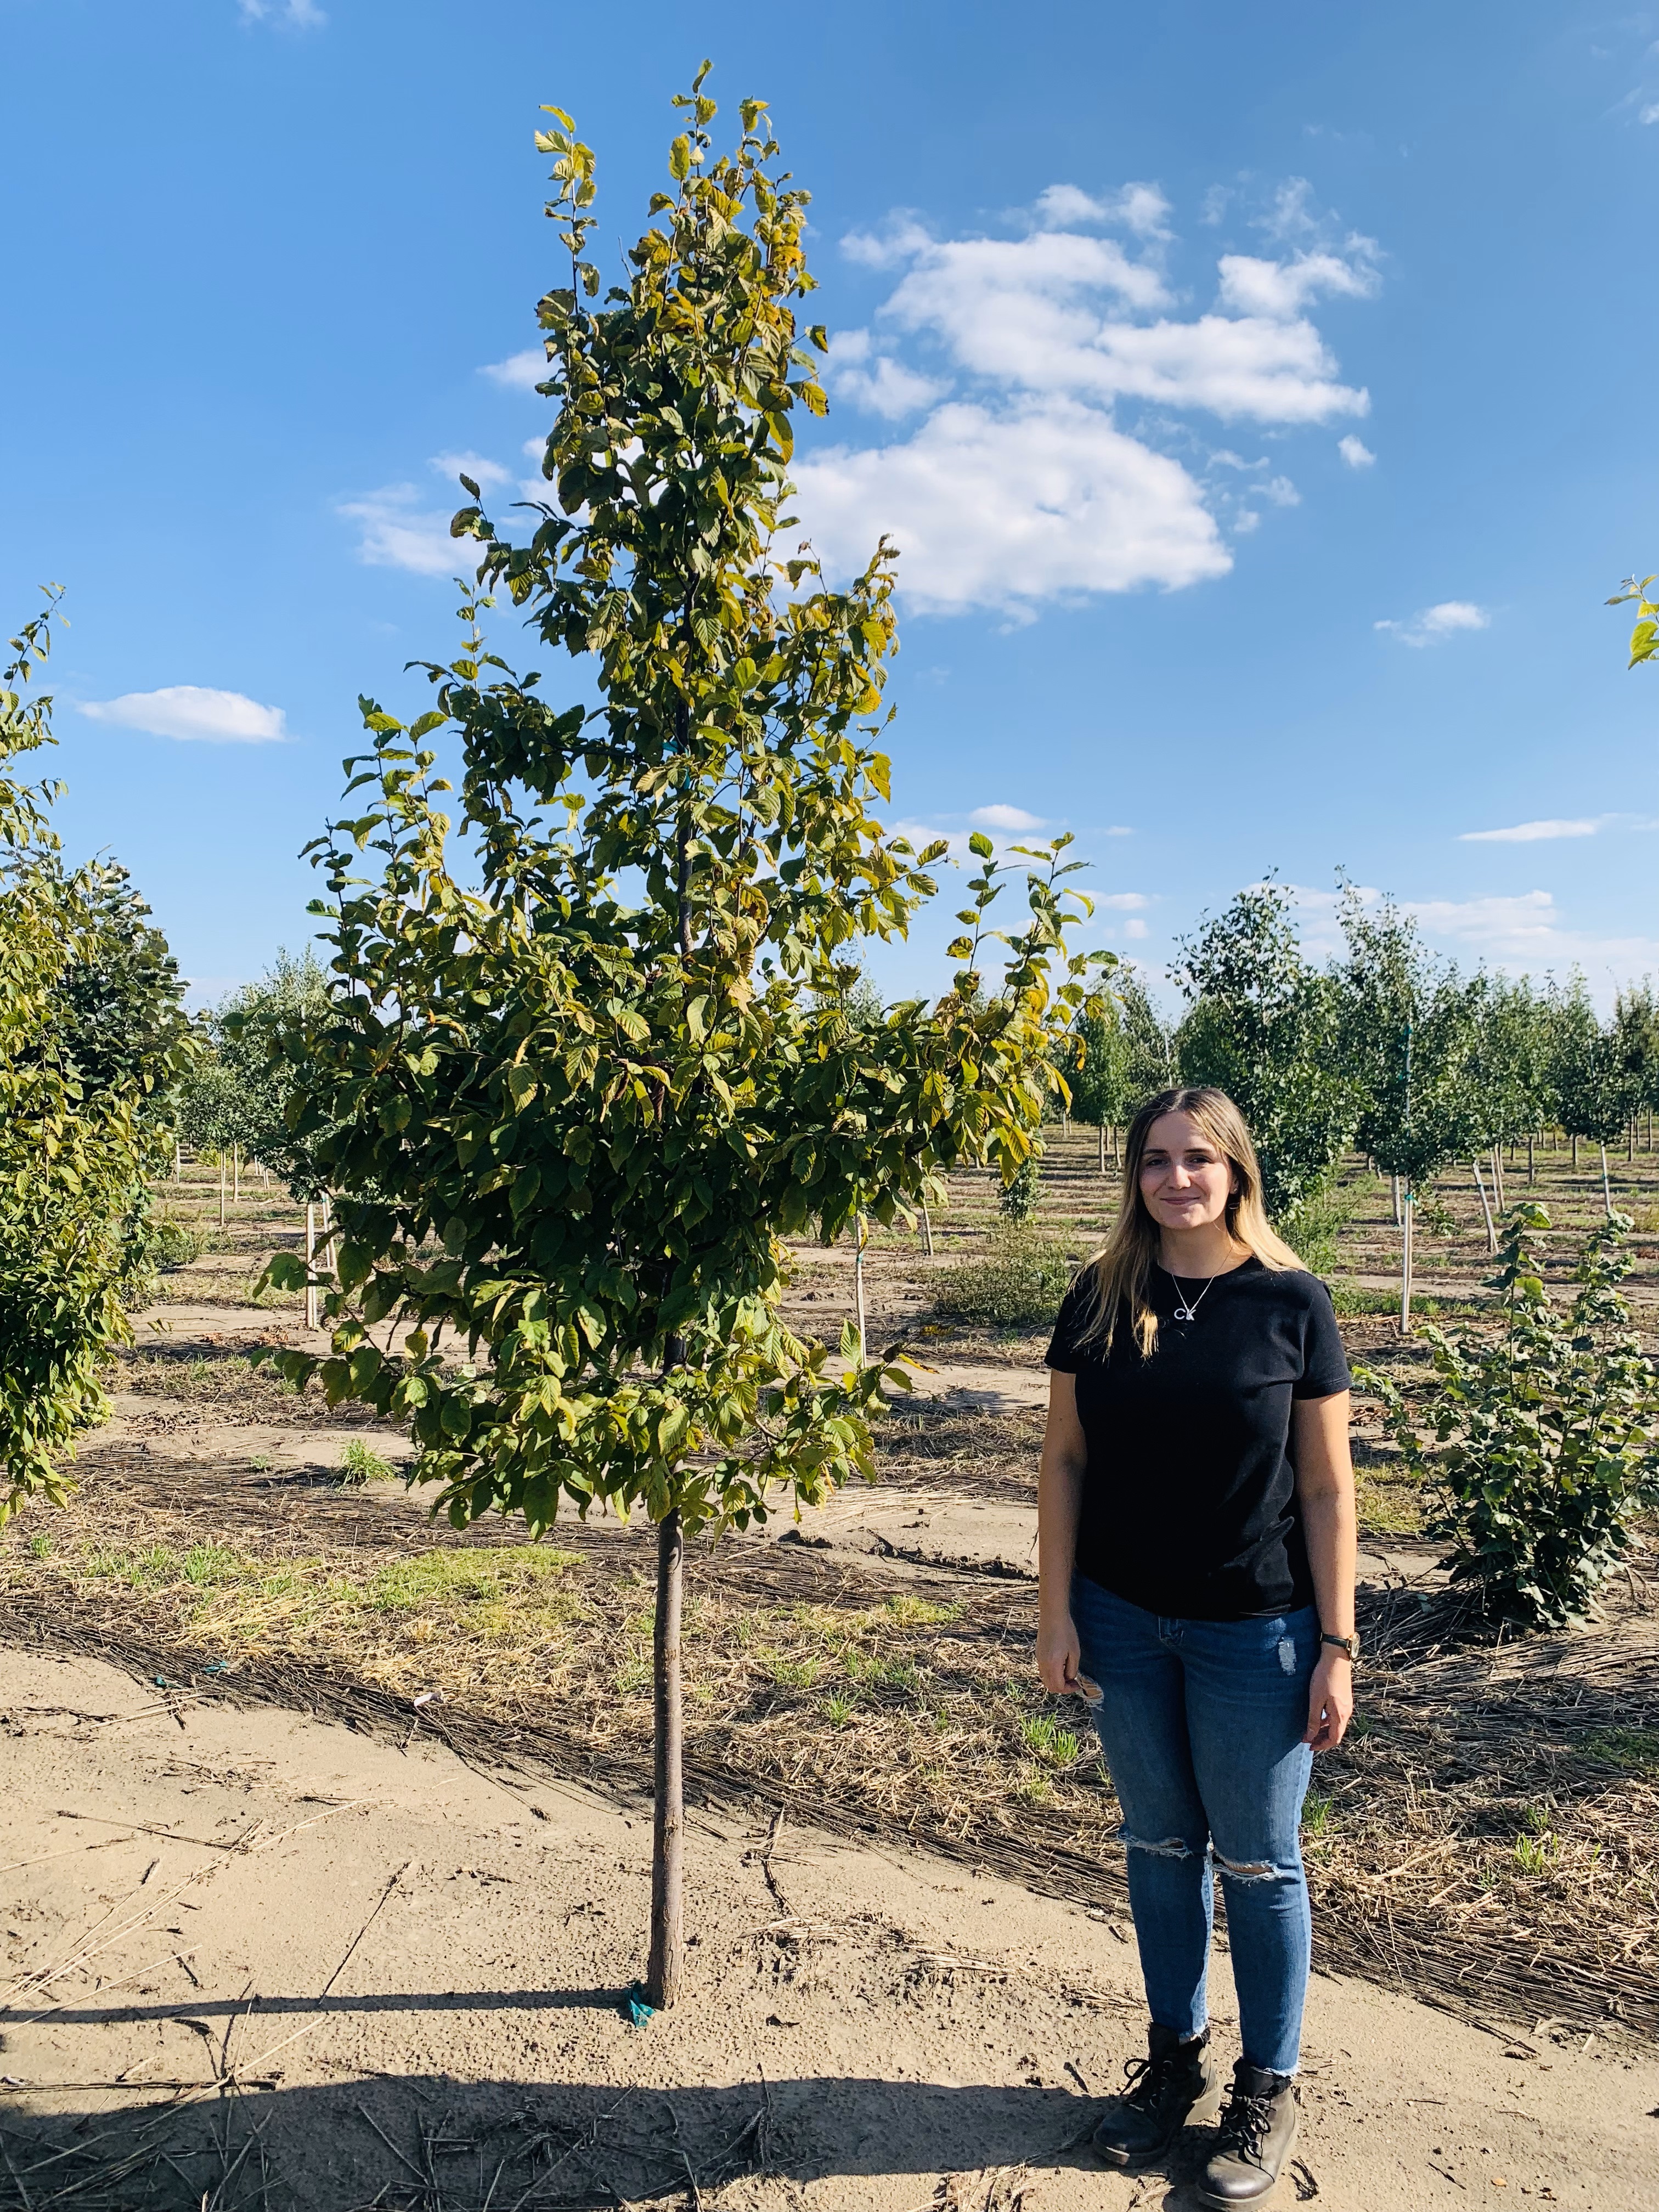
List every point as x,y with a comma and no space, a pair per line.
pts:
1257,2130
1176,2082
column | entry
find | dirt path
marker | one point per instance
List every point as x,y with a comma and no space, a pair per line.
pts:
411,1979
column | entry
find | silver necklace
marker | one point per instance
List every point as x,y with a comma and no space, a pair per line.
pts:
1187,1308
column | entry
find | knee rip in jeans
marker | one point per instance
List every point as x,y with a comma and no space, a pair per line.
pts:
1172,1847
1254,1870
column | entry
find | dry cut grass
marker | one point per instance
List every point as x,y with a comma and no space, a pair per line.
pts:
1486,1838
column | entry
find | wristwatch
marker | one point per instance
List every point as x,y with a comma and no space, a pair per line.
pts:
1348,1643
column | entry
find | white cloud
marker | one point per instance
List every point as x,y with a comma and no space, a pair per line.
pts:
520,371
292,14
1005,817
1004,509
488,474
1530,833
874,381
1443,620
397,532
1135,929
1031,313
1282,289
1124,902
1355,452
1021,484
1139,208
1651,113
190,710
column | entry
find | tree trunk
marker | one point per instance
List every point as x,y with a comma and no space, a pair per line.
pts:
858,1284
1630,1137
311,1266
1575,1150
1606,1188
1394,1196
1491,1233
1405,1264
222,1186
179,1160
1499,1198
926,1231
667,1964
236,1173
1100,1132
1531,1170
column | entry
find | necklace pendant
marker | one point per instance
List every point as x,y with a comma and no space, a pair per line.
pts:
1184,1313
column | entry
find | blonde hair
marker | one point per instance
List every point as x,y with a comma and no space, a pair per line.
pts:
1120,1274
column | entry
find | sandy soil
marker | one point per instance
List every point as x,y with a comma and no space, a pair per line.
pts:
316,1968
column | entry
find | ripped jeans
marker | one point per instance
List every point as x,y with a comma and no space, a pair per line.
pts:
1202,1722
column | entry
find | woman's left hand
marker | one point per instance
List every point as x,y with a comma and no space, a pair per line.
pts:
1330,1701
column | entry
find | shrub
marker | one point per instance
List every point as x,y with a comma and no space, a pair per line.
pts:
1019,1202
1546,1434
1312,1225
1019,1282
361,1462
170,1244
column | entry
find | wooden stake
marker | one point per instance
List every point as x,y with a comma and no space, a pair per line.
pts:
1406,1210
926,1231
1491,1233
667,1959
310,1264
222,1186
1606,1188
859,1236
1498,1176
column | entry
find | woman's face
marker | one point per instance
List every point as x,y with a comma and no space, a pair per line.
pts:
1185,1180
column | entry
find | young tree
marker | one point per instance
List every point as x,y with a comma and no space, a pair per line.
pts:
1509,1074
1409,1032
1546,1451
251,1029
1122,1054
1596,1075
1262,1024
91,1037
605,1066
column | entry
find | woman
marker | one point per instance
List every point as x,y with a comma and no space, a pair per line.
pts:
1196,1538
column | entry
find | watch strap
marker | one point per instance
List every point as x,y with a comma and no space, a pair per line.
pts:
1348,1643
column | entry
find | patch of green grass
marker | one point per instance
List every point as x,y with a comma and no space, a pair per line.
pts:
790,1674
1043,1734
1315,1818
838,1712
145,1568
361,1462
919,1612
41,1546
1019,1282
1635,1750
207,1564
1537,1853
430,1577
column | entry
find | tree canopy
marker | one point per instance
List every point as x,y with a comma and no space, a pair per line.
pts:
92,1036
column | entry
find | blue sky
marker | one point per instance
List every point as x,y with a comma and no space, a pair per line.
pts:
1260,397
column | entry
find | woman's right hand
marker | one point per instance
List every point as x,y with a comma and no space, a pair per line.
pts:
1058,1653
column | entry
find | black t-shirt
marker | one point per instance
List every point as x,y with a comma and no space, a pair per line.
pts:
1189,1506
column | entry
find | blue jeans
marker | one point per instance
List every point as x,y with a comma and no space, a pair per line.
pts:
1201,1723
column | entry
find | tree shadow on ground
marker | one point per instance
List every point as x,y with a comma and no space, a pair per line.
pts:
424,2143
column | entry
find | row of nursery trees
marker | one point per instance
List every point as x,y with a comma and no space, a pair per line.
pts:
590,1043
1387,1049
